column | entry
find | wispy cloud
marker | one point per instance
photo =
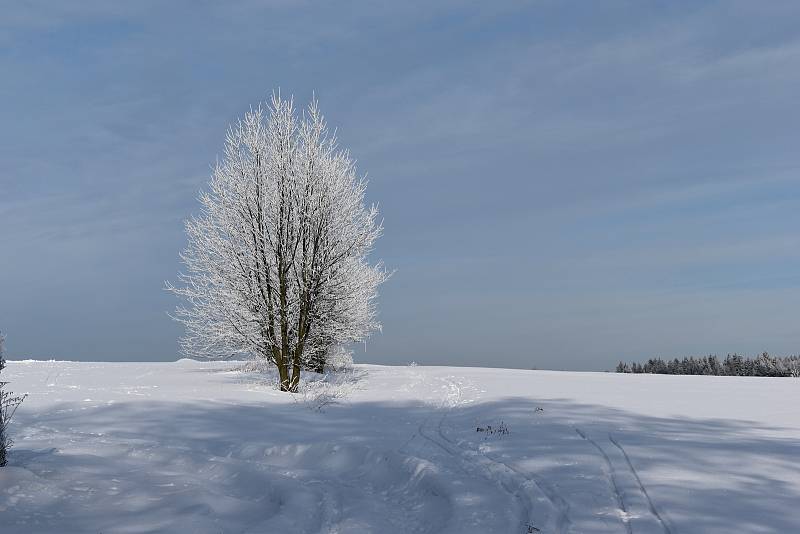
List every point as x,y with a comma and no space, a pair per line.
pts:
602,160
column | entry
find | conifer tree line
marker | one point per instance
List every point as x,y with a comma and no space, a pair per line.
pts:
732,365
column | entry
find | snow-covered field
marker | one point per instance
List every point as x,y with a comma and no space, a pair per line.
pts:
197,447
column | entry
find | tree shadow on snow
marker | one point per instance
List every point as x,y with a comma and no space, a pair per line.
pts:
218,467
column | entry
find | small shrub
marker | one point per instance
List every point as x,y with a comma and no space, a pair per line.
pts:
8,405
316,393
490,430
339,359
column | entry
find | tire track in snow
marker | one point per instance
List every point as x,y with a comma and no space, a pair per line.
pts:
612,475
635,473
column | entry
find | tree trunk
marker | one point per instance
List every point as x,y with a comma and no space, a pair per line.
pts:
298,352
295,378
2,445
283,373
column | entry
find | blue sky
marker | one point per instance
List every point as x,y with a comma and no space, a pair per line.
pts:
564,184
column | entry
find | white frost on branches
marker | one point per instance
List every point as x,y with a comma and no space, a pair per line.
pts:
276,264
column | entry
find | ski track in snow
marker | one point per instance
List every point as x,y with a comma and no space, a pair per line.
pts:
635,473
630,515
612,476
464,461
562,521
509,474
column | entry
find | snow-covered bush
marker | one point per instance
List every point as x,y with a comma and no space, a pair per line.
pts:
8,405
256,365
322,392
339,359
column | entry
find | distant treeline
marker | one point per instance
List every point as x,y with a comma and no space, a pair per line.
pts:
732,365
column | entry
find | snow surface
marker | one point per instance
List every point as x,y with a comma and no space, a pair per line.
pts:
199,447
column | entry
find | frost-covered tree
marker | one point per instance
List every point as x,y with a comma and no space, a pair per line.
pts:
276,264
8,405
